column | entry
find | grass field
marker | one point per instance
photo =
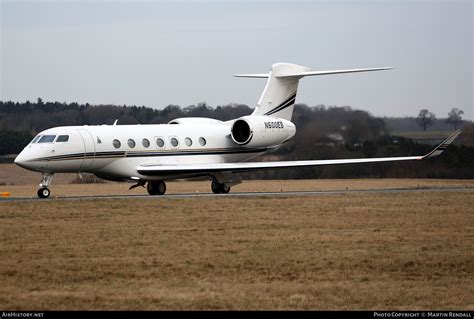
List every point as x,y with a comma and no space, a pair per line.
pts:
352,251
23,183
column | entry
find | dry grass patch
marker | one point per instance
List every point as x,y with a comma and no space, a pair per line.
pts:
22,183
384,251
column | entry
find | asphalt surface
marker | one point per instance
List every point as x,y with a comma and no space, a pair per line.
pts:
242,194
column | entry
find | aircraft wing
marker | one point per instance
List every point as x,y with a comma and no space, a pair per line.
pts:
252,166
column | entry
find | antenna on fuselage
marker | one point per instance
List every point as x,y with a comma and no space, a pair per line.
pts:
115,123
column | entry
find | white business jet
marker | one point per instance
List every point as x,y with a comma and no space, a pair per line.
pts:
186,147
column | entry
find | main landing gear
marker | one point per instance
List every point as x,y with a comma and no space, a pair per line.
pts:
156,188
44,191
219,188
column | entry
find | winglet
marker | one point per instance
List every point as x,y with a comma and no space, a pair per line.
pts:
441,147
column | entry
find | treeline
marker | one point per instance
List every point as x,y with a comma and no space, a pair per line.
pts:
412,124
323,132
320,123
35,117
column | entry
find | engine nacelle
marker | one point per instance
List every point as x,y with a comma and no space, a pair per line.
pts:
261,131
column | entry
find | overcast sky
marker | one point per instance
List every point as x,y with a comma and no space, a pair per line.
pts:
156,53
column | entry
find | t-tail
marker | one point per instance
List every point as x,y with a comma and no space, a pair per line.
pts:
279,96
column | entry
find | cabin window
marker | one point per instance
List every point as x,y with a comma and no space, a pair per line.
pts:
116,143
35,139
202,141
188,141
160,142
47,139
131,143
174,142
62,138
146,143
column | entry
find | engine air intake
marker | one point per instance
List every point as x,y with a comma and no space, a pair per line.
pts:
241,132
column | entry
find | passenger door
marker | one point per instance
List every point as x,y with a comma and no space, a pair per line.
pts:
89,149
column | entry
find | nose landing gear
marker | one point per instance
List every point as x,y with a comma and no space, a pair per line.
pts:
44,191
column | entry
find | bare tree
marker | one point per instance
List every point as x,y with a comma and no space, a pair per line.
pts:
425,118
454,117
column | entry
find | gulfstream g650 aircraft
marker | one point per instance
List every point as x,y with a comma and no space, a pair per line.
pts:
186,147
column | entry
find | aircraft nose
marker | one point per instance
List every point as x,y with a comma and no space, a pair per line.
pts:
21,160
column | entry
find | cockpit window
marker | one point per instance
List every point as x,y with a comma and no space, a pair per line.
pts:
47,139
63,138
35,139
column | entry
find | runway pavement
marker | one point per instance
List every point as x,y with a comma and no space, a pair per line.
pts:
243,194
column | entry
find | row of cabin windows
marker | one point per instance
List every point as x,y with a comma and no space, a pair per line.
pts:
50,139
159,142
131,143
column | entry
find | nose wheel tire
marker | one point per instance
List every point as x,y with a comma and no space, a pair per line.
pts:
156,188
219,188
43,192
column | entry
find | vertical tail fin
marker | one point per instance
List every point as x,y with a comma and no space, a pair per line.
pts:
278,97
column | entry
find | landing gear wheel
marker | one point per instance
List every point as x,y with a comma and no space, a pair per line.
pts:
161,188
156,188
225,189
43,192
215,188
219,188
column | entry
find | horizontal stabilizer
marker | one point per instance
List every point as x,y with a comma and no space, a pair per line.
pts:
257,75
313,73
309,73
